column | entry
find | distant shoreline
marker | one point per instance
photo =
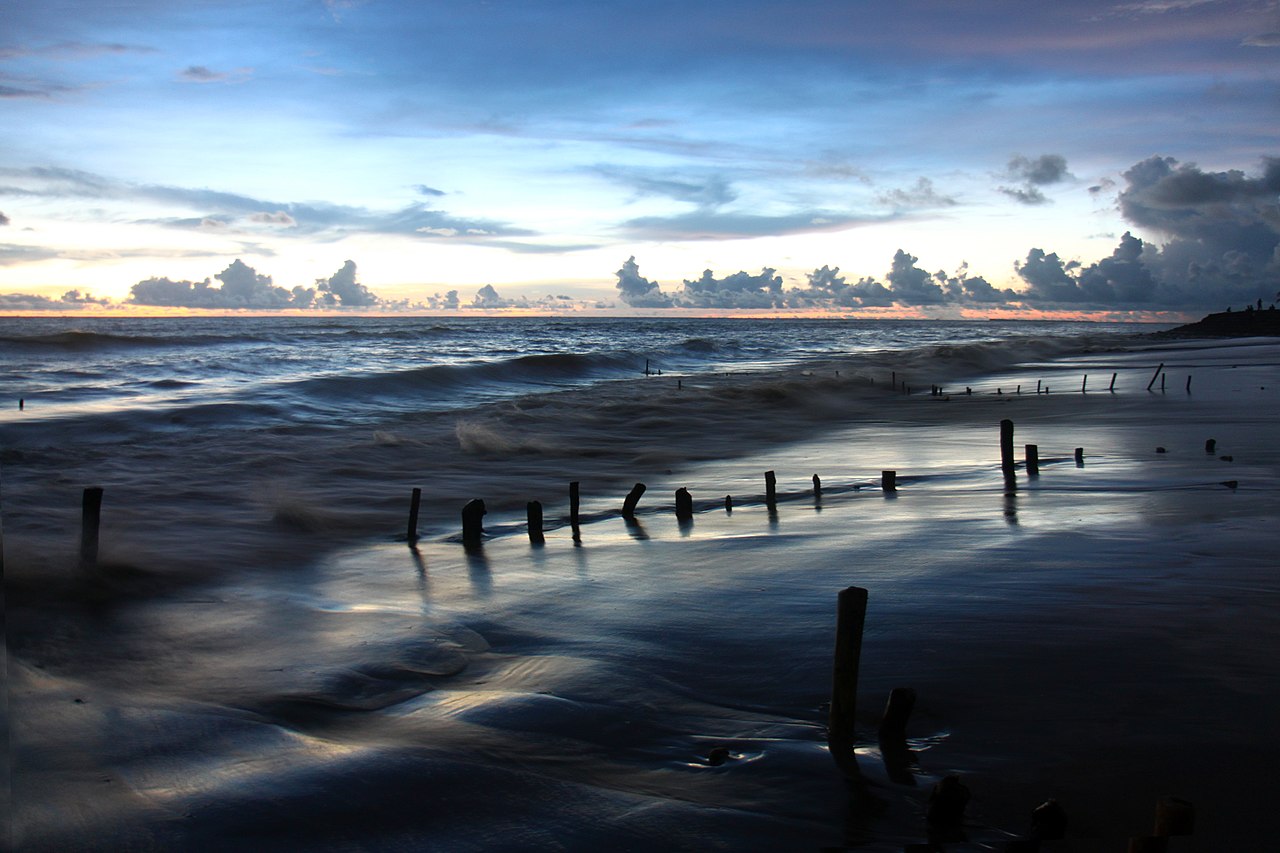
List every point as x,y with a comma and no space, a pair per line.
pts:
1230,324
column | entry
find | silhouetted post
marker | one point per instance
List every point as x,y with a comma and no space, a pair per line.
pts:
1162,379
684,504
633,498
1048,821
1174,816
1084,382
1019,389
1112,386
473,521
894,381
1079,457
893,725
646,367
533,512
947,802
817,486
770,488
1006,446
90,511
414,503
1188,383
1038,381
1033,460
1155,376
851,614
575,504
889,481
728,503
1210,445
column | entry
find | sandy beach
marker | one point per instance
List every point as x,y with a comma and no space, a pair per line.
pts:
1104,633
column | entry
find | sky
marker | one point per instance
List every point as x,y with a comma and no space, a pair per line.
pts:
910,158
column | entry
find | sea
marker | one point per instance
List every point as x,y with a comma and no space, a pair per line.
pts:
252,658
326,423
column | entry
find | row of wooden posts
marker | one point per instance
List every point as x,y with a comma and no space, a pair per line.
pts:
950,796
1041,388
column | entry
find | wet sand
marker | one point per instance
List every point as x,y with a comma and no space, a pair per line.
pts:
1103,634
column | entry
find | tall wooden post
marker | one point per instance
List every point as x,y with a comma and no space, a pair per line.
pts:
889,481
1033,460
90,511
473,521
684,504
851,614
533,511
633,498
1006,446
770,488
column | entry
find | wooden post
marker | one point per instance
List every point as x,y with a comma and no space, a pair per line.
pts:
1038,381
889,481
947,802
728,503
1079,457
1162,379
1155,376
1112,386
90,511
1006,446
1188,383
1033,460
1174,816
817,486
770,488
1084,382
1210,445
533,511
684,504
851,614
893,725
414,503
473,521
633,498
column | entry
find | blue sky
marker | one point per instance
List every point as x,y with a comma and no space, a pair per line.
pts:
944,156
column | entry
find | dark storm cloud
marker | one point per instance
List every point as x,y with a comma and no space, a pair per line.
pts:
1121,280
638,291
912,285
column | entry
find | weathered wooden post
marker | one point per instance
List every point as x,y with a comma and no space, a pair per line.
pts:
1174,816
889,481
1163,377
473,521
817,486
1079,457
684,504
1210,445
851,614
770,488
533,511
1188,383
1112,386
414,503
728,503
1033,460
1155,376
1038,381
1084,382
1006,446
633,498
90,512
893,725
575,505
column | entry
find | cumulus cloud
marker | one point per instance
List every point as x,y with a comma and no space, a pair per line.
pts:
277,218
921,196
242,287
4,220
739,290
638,291
72,299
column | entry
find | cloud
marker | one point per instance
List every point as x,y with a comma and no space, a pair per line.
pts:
740,290
12,254
203,74
1271,39
1121,280
711,225
712,191
921,196
1032,174
72,299
73,50
341,288
242,287
428,191
638,291
4,220
216,208
910,284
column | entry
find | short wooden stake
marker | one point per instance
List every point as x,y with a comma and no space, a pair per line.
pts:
728,503
1038,381
817,486
1112,386
889,481
1084,382
1188,383
851,614
414,503
1162,379
1048,821
1006,445
1210,445
947,802
533,511
90,512
770,488
1033,460
473,521
1079,456
893,726
684,504
1155,376
633,498
1174,816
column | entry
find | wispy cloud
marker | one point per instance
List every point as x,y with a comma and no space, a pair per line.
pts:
203,74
